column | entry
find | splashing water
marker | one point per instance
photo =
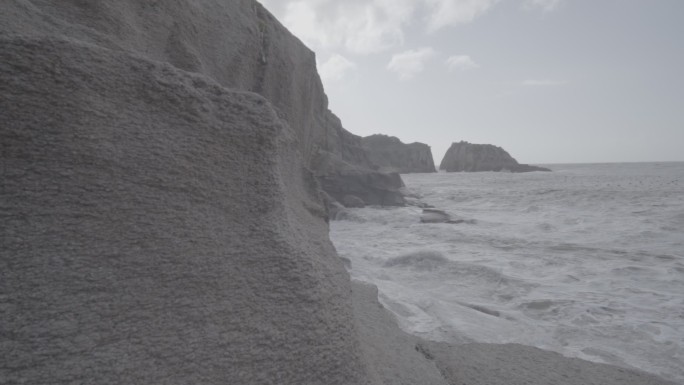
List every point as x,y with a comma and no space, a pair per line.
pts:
587,261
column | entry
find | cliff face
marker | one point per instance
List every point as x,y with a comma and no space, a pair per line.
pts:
390,153
464,156
239,45
161,221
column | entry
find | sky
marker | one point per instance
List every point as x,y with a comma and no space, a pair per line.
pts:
550,81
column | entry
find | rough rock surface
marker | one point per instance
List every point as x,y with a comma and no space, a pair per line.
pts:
464,156
237,43
393,356
390,153
512,364
158,228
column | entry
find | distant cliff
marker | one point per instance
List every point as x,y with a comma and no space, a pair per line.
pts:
469,157
390,153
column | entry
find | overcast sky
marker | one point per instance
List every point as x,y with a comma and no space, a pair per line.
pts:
551,81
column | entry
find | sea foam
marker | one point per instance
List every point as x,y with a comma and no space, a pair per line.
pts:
587,261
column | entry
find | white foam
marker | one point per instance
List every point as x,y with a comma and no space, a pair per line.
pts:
587,261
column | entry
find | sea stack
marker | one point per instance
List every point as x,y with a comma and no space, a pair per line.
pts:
391,154
469,157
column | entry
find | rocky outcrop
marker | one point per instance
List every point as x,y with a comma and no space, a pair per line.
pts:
464,156
342,166
158,228
161,220
239,45
342,179
390,153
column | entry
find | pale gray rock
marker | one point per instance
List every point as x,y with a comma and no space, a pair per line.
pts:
512,364
469,157
237,43
393,356
158,227
391,154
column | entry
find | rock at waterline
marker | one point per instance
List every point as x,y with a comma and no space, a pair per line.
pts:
439,216
353,201
469,157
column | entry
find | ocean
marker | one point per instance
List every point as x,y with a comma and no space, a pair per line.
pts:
587,260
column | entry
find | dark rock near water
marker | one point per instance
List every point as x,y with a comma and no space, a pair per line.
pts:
391,154
469,157
353,201
343,167
432,215
339,179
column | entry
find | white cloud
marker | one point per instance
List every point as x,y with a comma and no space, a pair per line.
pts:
369,26
335,68
443,13
359,26
410,63
544,5
543,83
461,62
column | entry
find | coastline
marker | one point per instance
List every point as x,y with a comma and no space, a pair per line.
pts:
396,357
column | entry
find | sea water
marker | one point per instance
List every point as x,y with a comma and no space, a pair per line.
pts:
587,260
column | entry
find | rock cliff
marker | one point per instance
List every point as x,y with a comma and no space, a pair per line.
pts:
464,156
392,154
239,45
161,218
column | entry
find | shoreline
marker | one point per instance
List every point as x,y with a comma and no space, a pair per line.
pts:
396,357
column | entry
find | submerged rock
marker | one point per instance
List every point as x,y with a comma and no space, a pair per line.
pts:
434,216
391,154
464,156
431,215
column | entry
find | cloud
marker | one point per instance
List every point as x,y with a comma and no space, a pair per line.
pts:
544,5
443,13
543,83
410,63
359,26
461,62
335,68
369,26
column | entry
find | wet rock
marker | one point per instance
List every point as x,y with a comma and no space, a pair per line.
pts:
352,201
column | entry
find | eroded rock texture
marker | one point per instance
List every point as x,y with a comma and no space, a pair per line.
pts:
390,153
238,44
160,219
464,156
